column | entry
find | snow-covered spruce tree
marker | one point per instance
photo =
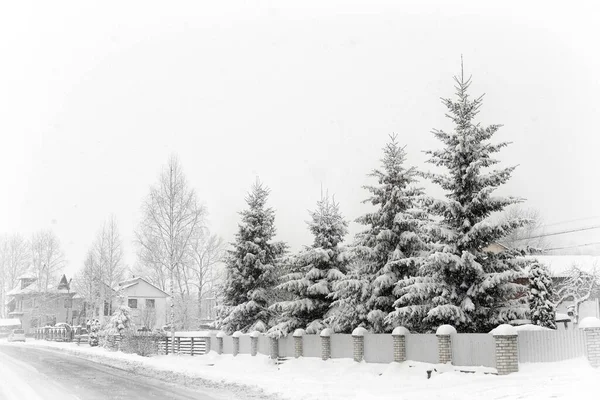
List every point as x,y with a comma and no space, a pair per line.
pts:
314,270
459,283
252,267
389,248
541,308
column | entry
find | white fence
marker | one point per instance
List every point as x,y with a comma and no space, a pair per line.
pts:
422,347
474,349
548,346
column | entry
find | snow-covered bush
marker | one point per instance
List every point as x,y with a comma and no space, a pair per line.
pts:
541,308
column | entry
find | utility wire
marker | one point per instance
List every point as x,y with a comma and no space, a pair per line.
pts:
572,247
559,233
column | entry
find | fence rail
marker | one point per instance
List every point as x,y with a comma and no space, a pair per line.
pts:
183,345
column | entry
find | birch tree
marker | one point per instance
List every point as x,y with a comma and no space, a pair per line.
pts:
14,260
171,215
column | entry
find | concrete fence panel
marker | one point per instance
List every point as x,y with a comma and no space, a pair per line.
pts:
227,345
473,349
286,346
422,347
264,345
312,346
245,344
548,346
342,346
379,348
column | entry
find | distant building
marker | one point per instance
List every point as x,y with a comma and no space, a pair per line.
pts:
36,306
147,302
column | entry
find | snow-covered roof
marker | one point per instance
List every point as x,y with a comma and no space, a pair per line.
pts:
134,281
560,265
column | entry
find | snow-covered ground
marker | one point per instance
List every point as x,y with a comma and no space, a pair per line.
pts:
312,378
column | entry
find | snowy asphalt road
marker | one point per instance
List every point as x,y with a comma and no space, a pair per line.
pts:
33,373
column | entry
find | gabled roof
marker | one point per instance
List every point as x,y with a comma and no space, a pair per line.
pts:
134,281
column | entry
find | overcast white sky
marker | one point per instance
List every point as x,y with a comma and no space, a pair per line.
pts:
94,96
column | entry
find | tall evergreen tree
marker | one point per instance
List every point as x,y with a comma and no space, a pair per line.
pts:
252,266
387,250
314,270
541,308
460,283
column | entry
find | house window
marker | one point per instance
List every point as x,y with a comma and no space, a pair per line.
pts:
107,309
132,303
150,303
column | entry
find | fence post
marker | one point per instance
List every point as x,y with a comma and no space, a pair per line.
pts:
236,342
274,347
326,343
507,356
591,326
220,336
444,336
358,341
254,342
399,337
207,342
298,345
166,345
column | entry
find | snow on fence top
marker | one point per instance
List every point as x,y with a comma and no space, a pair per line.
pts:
504,330
237,334
360,331
299,332
221,334
531,327
255,334
445,330
193,334
589,322
400,331
326,332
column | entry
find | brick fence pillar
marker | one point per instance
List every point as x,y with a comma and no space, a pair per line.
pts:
358,340
399,337
591,326
507,353
220,336
298,343
207,341
326,343
274,347
444,337
254,342
236,342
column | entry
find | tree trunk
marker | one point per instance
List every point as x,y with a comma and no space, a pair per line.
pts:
172,322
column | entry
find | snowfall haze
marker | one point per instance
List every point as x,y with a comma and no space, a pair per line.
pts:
97,95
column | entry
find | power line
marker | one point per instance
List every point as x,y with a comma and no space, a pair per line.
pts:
559,233
571,247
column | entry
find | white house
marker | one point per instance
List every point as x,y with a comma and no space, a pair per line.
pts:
147,302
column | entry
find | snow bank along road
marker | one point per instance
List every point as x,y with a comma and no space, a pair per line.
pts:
34,373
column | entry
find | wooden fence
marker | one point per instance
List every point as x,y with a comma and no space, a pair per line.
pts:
183,345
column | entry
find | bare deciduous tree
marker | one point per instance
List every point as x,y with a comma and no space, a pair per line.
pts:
171,217
577,287
14,260
47,258
529,236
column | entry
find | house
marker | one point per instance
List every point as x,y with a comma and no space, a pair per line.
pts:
148,303
37,306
